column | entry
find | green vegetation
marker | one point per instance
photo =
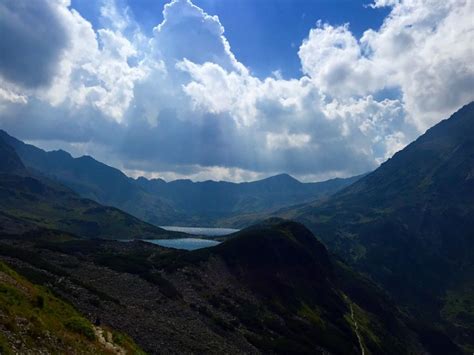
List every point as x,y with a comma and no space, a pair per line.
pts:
80,326
126,343
32,318
35,318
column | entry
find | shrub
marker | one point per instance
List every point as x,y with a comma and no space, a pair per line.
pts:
39,302
80,326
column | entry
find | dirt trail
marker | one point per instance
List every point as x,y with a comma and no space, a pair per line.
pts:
105,338
356,326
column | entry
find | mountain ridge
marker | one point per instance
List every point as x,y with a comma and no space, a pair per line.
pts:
411,222
29,201
181,202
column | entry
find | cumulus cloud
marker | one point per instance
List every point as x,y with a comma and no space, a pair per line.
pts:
187,32
334,60
423,50
180,104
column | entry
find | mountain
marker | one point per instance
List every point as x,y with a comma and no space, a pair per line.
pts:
410,225
224,200
10,162
271,288
28,201
180,202
93,180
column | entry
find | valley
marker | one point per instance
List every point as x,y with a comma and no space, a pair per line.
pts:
376,264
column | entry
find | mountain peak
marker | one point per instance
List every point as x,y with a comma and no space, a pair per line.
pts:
277,246
282,178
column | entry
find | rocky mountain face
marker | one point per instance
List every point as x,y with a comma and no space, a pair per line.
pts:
410,224
271,288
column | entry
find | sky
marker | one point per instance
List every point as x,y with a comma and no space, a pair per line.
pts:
233,89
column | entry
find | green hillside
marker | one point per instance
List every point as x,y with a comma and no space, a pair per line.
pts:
33,320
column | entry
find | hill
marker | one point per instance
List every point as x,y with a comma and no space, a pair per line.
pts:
410,224
271,288
29,201
180,202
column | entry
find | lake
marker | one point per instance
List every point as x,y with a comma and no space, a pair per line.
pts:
192,243
208,232
184,243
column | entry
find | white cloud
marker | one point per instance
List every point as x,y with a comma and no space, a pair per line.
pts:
187,32
199,173
180,104
332,57
423,49
276,141
10,96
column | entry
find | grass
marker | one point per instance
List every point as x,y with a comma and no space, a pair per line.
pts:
36,318
312,314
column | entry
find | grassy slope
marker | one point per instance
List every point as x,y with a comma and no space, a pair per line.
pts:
33,319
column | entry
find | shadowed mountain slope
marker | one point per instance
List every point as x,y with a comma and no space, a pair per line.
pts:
28,201
410,224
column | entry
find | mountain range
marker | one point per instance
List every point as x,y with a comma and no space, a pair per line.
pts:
180,202
384,265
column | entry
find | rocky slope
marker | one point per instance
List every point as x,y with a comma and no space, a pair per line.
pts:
272,288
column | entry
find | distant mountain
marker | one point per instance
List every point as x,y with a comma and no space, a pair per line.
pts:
410,224
180,202
272,288
28,201
94,180
216,201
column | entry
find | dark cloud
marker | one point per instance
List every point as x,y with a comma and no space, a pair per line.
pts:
32,38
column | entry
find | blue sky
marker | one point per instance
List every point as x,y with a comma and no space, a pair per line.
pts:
165,88
264,34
